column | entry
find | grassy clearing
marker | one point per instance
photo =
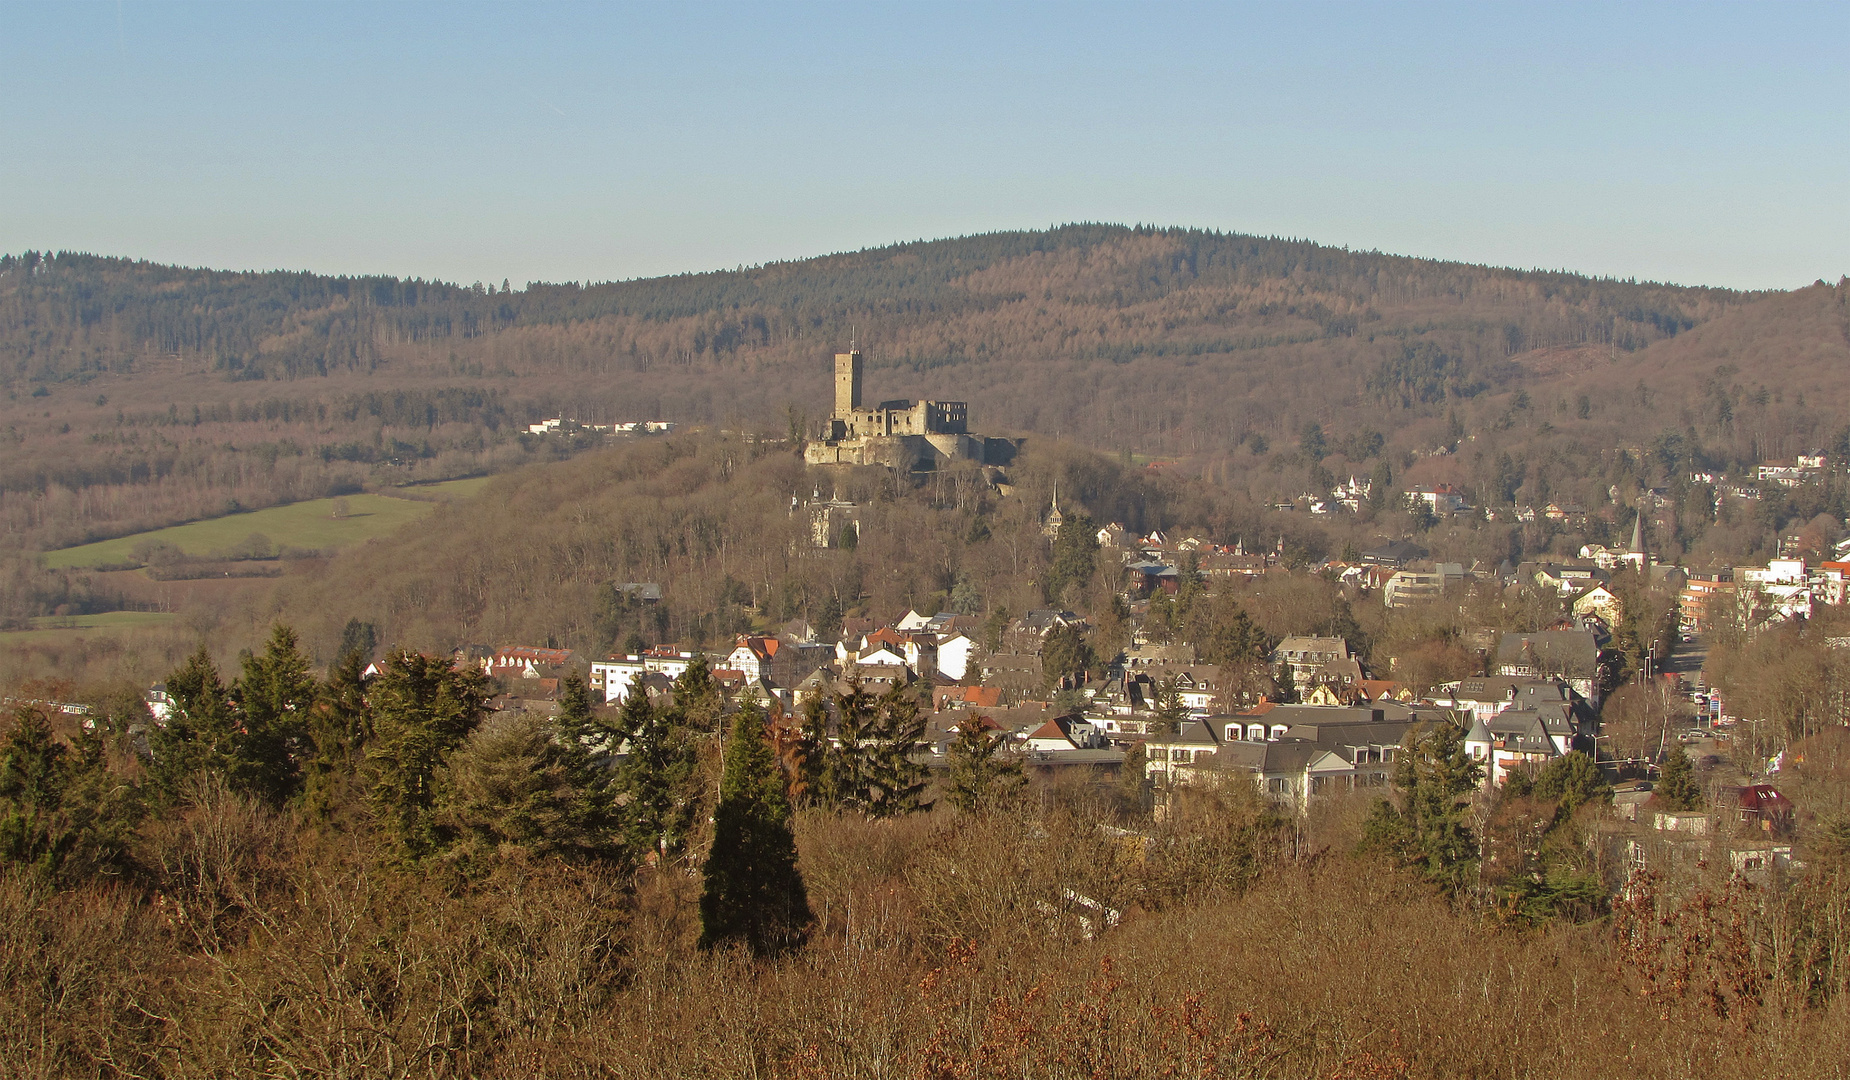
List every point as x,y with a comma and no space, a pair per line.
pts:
72,624
309,524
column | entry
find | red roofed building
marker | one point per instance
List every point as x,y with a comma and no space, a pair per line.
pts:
966,697
1069,732
776,661
526,662
1764,806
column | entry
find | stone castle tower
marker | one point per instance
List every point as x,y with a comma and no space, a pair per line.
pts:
847,383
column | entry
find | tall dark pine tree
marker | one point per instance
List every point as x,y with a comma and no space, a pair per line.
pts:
1064,655
754,893
199,734
981,774
62,815
697,696
338,727
422,708
1432,833
842,767
1075,556
358,637
1171,710
274,696
1677,786
894,781
586,746
655,780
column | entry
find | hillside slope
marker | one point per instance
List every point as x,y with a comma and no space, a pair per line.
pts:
135,391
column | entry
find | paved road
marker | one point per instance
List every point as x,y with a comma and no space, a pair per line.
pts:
1687,660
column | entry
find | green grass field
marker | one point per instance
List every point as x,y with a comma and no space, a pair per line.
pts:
73,624
299,525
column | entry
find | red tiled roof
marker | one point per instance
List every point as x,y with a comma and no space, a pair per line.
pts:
511,654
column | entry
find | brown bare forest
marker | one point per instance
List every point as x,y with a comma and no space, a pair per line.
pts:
138,394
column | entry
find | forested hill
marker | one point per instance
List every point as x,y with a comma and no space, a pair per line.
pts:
969,317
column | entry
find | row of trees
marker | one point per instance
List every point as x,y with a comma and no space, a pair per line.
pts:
412,755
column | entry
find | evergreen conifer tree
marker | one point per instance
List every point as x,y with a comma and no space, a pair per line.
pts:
869,767
422,708
199,734
981,775
516,782
32,781
697,696
338,726
358,637
1171,711
1431,833
274,695
1677,788
753,893
895,782
1287,685
576,718
1065,654
1075,557
844,768
655,779
62,815
1574,778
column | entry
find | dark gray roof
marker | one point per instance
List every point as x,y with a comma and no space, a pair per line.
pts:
1394,553
1571,652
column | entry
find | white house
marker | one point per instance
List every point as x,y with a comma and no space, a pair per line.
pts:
1440,498
160,702
614,675
1600,601
1195,740
954,652
911,621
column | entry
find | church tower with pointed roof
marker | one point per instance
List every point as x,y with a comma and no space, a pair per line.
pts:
1054,518
1636,555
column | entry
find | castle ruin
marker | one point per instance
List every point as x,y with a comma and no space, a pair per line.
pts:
910,436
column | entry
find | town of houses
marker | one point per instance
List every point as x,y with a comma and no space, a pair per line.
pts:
1185,723
1338,726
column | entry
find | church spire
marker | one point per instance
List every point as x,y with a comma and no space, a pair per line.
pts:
1054,518
1637,556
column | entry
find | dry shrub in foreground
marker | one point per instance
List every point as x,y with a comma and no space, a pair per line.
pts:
946,953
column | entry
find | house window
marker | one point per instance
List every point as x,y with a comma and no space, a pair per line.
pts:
1276,785
1256,732
1178,755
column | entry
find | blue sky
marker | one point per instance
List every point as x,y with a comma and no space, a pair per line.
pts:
1694,143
